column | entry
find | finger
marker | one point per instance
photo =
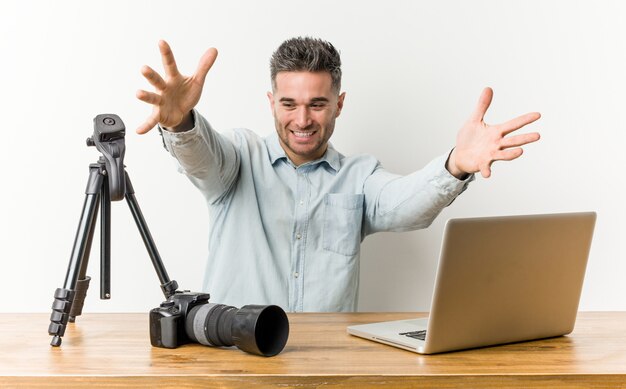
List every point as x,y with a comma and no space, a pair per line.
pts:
167,57
508,154
519,122
484,101
205,64
147,125
486,171
148,97
519,140
153,77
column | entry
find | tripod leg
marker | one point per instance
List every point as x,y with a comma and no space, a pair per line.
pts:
82,284
105,241
64,297
168,287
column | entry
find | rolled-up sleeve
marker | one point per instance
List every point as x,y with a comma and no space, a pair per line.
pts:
405,203
209,159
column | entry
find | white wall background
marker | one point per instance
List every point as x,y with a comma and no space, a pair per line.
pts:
412,72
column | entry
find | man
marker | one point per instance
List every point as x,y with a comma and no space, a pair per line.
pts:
288,212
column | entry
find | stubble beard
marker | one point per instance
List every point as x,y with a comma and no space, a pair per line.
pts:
313,153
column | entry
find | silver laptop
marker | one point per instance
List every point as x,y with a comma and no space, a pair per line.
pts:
500,280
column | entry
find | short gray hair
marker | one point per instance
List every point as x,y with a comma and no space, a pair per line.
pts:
307,54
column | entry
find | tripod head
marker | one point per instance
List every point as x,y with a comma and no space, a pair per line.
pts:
108,138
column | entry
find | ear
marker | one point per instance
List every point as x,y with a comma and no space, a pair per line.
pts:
270,97
340,103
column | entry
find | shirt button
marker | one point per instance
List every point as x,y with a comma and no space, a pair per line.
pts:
301,202
296,274
298,236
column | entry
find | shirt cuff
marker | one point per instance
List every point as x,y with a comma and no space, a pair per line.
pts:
443,179
171,138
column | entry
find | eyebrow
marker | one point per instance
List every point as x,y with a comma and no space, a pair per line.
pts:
313,100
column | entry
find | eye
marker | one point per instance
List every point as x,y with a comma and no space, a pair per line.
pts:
288,105
318,105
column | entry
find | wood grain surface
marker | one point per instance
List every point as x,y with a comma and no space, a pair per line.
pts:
114,350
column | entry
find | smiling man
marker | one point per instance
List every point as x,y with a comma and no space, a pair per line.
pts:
288,212
305,107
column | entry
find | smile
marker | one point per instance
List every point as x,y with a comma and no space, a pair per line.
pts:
301,134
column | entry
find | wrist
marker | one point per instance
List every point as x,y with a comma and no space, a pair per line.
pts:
453,169
185,125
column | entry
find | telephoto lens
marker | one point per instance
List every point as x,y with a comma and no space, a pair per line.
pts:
257,329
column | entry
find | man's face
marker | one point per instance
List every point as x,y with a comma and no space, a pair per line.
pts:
305,108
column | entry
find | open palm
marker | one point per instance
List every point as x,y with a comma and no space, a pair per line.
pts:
176,95
479,144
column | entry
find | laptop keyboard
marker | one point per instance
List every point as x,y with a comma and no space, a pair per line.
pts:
421,335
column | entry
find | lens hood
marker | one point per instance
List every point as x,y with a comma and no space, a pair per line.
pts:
260,329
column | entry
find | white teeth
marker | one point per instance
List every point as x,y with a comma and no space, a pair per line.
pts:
302,134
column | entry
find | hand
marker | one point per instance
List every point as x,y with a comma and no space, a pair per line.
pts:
175,96
479,144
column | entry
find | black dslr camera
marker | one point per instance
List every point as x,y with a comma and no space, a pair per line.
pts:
189,317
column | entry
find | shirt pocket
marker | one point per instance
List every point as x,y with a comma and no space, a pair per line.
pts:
343,214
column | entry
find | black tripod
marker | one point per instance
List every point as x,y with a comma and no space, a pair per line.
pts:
108,180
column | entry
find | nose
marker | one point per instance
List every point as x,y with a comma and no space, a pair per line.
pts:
303,117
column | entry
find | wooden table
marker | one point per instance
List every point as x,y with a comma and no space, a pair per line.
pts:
114,350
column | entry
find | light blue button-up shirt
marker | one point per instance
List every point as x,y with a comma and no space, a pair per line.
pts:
290,235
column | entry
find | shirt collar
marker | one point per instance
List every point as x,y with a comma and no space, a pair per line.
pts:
276,152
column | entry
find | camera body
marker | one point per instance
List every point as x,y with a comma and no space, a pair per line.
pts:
167,322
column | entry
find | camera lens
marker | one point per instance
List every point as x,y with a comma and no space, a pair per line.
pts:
257,329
